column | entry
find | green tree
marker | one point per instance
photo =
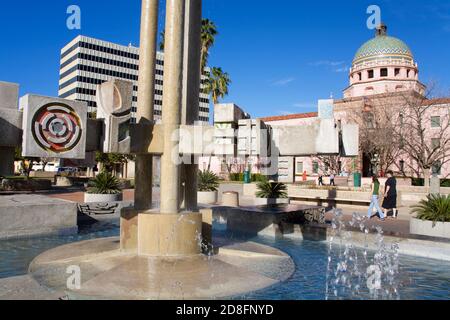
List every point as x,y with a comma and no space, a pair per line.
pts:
217,84
109,161
162,41
26,163
208,37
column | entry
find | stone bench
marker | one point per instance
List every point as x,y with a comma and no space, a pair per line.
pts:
332,197
333,202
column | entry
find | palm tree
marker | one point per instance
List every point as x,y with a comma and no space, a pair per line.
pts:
163,39
217,84
208,37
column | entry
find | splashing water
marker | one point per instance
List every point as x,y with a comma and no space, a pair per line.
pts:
351,273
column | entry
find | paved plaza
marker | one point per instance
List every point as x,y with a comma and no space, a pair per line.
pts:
398,227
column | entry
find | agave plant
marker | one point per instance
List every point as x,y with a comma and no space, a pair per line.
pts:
207,181
271,190
436,208
105,183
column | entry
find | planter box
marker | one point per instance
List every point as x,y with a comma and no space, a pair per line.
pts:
209,197
265,202
425,228
102,198
25,185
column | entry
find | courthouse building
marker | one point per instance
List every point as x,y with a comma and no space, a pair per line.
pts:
384,75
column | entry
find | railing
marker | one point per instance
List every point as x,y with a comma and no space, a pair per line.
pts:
389,62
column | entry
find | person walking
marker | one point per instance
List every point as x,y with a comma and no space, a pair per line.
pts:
375,200
332,178
321,180
390,195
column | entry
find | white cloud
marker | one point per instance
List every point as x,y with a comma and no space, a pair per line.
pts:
304,105
343,69
285,113
283,82
327,63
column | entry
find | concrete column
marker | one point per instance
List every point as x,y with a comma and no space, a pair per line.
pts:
191,62
191,92
172,100
143,180
7,161
146,92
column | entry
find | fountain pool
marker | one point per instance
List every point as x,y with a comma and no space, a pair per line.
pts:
418,278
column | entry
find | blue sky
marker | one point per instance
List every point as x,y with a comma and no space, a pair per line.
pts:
281,55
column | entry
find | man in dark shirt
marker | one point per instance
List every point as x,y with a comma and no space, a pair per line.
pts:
320,180
390,195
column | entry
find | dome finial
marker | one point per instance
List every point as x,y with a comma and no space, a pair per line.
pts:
381,29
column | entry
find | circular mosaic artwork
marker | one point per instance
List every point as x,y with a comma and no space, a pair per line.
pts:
56,128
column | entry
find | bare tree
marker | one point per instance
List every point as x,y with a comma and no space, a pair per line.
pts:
423,131
45,162
376,122
330,164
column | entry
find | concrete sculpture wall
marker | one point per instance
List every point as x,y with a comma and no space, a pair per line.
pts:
253,138
10,116
320,138
53,127
10,126
114,102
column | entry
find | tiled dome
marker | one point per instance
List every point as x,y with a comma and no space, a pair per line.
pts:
382,47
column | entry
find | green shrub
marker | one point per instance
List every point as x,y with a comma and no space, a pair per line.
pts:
271,190
258,177
239,177
445,183
104,183
420,182
236,177
17,178
207,181
436,208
